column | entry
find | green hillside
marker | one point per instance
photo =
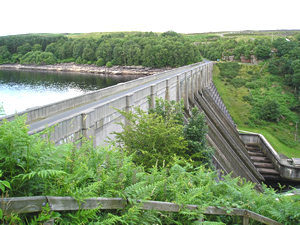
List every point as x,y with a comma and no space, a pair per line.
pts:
258,78
247,91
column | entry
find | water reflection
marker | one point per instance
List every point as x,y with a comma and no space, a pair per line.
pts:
23,90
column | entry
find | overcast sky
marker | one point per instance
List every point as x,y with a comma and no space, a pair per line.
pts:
184,16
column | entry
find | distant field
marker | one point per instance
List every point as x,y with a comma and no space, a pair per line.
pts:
99,34
242,35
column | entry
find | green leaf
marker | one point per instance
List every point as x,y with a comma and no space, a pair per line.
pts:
6,184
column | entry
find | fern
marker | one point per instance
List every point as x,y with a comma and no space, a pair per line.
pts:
44,174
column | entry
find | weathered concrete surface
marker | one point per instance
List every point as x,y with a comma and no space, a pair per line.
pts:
230,151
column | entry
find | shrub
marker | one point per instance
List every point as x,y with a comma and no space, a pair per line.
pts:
38,57
238,82
195,132
269,110
151,139
109,64
100,62
229,70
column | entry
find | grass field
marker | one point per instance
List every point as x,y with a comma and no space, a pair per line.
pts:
280,135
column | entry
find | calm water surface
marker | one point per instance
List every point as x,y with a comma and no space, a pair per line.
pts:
22,90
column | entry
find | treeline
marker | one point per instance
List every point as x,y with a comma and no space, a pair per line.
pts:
147,49
224,48
286,61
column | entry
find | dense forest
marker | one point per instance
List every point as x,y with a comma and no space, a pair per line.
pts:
172,164
147,49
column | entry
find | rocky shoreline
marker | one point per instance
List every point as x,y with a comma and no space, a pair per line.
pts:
136,71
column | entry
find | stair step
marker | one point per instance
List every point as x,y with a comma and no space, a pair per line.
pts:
268,171
252,145
252,148
260,159
271,177
263,165
255,153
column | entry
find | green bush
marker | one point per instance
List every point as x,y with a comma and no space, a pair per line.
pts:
100,62
195,132
229,70
109,64
38,57
269,110
151,139
238,82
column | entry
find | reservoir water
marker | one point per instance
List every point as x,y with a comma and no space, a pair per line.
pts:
20,90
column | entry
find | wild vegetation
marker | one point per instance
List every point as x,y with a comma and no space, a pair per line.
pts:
157,156
31,166
260,102
147,49
281,53
262,98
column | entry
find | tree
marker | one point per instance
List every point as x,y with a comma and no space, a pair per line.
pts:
269,110
283,46
296,65
195,132
296,80
78,48
5,55
88,53
38,57
151,139
280,66
36,47
100,62
262,51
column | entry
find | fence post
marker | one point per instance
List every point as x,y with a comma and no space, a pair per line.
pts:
129,105
245,218
167,94
186,92
152,96
178,91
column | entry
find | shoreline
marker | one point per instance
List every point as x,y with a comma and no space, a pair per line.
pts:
122,71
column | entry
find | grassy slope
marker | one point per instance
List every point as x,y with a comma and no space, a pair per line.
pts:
279,135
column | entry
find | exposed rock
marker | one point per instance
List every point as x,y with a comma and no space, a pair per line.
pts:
91,69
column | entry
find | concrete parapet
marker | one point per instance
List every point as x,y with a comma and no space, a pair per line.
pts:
99,120
287,168
39,113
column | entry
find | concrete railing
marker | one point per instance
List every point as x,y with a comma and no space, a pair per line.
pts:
288,168
41,112
99,121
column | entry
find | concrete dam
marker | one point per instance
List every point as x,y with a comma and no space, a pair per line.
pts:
94,115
